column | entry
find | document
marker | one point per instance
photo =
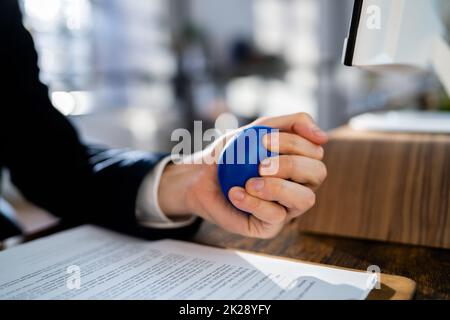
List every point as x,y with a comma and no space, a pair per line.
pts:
89,262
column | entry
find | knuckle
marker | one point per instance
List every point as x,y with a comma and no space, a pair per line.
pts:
319,174
322,172
320,153
293,162
310,199
262,120
304,117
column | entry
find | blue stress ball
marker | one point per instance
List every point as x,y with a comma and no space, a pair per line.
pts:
240,159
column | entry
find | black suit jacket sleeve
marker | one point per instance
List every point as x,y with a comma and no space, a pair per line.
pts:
43,153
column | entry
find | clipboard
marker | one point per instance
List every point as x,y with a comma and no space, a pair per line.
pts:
392,287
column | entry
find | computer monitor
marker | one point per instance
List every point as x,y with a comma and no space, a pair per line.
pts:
398,34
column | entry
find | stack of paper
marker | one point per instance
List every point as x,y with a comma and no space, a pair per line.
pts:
93,263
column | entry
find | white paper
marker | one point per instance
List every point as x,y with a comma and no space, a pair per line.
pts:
403,121
115,266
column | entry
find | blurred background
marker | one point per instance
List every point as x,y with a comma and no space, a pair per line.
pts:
127,73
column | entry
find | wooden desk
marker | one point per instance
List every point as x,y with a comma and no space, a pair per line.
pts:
430,268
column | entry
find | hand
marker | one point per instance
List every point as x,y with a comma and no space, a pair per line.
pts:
271,200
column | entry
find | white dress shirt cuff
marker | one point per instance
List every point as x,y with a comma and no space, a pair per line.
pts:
148,211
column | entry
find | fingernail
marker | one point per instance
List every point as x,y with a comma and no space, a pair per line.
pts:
238,195
321,152
318,132
258,184
266,167
266,163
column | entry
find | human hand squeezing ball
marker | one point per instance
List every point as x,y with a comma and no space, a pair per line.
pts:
266,176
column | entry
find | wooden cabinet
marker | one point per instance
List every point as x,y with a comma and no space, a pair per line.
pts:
385,186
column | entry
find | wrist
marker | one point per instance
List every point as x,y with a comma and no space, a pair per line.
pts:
173,190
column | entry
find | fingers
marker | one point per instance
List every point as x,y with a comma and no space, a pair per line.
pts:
299,123
266,218
248,225
293,196
288,143
269,212
300,169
